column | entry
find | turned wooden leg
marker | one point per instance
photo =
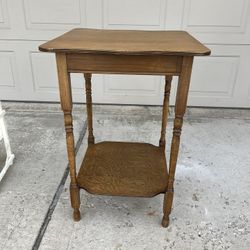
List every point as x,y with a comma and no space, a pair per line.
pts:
180,108
168,80
91,139
66,104
74,189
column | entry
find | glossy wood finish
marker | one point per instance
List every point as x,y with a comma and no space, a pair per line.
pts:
126,42
123,168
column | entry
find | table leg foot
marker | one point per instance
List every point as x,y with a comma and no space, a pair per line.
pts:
76,215
167,206
75,201
165,221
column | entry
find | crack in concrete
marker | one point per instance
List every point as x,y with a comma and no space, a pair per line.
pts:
57,194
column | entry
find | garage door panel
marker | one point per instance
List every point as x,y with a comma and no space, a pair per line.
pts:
45,81
220,80
215,21
57,14
43,71
8,72
197,14
130,14
40,20
4,15
131,85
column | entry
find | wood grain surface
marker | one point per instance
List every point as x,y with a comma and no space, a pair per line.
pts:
126,42
124,64
123,168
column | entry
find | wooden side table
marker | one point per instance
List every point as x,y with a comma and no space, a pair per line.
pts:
124,168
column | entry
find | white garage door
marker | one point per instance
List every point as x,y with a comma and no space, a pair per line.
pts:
221,80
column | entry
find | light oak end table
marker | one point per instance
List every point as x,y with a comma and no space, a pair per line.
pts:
124,168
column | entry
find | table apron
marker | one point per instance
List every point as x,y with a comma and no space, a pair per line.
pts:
124,64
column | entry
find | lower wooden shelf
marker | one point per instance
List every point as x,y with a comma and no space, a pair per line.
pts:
124,169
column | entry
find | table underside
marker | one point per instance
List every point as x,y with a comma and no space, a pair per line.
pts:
124,169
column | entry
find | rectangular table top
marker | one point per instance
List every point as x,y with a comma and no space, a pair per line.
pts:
126,42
